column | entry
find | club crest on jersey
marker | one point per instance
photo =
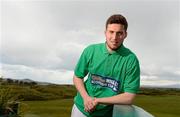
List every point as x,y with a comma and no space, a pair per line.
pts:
105,82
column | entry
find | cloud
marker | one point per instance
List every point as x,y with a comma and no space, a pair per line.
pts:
43,40
37,37
44,52
43,75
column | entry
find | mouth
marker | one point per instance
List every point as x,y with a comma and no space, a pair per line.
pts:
114,43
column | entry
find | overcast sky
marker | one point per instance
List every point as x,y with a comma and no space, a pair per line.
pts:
43,39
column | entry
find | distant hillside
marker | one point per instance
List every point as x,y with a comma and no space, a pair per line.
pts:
21,81
30,90
159,91
27,89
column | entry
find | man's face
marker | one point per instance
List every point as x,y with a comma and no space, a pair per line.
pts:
115,35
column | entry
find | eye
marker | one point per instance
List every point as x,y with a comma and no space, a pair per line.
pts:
111,32
119,33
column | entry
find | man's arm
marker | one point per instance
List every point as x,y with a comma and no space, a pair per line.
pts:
124,98
89,103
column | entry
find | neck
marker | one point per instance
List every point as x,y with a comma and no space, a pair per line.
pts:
109,49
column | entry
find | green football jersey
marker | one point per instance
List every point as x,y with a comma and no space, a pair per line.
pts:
109,74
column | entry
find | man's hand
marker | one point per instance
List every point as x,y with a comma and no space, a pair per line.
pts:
90,104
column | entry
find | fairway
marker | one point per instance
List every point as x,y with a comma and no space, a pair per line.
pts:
159,106
51,108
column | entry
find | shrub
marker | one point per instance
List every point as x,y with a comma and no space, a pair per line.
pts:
8,104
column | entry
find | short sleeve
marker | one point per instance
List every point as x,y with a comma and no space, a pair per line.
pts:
132,78
81,69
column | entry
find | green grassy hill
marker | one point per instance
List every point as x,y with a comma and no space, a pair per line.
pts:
57,100
53,91
39,92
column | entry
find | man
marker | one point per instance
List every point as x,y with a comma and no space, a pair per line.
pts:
113,73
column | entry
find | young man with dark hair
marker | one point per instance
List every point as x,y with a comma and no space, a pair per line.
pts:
113,73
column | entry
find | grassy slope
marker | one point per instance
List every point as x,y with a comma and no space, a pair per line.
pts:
159,102
52,108
159,106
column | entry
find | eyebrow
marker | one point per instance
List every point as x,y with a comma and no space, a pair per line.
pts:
116,32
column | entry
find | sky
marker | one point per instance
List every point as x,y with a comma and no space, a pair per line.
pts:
42,40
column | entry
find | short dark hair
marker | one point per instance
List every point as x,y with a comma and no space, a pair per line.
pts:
117,19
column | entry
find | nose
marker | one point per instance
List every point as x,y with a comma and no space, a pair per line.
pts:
115,36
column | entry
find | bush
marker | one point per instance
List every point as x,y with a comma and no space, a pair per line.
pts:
8,103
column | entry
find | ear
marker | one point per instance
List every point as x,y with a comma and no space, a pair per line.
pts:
125,35
105,32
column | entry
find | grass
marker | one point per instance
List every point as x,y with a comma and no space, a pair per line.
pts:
159,106
51,108
56,100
